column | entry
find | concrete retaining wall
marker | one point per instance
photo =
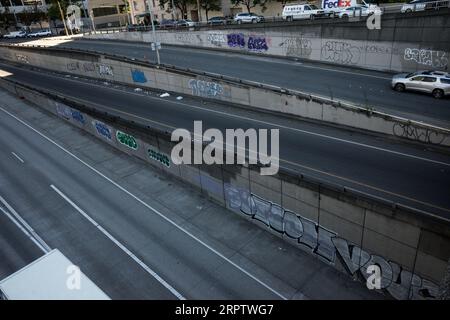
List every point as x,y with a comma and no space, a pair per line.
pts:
233,91
342,229
405,42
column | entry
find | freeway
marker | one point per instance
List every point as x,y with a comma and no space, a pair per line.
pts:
126,246
403,173
365,88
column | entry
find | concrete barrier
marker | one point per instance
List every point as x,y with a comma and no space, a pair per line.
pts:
208,86
404,43
342,228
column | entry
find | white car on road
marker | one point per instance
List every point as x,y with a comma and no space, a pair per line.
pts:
360,11
40,33
247,18
15,34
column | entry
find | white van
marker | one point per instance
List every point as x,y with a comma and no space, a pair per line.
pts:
301,11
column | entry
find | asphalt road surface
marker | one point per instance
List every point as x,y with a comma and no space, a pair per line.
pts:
402,173
365,88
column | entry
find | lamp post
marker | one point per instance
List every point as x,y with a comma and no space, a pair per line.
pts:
155,44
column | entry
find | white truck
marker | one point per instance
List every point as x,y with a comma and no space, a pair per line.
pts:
49,278
334,7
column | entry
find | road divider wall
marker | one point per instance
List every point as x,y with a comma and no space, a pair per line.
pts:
224,89
392,48
341,227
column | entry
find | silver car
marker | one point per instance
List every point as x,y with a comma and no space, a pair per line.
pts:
435,82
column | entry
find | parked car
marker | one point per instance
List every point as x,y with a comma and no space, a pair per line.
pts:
360,11
434,82
301,11
218,20
185,23
39,33
247,18
421,5
167,24
15,34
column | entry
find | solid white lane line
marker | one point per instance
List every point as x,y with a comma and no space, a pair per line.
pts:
146,205
120,245
17,157
24,226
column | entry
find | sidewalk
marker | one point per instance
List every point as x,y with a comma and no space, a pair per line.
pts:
264,255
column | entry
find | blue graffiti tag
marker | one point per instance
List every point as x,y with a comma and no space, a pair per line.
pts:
205,88
236,40
77,116
138,76
257,44
102,129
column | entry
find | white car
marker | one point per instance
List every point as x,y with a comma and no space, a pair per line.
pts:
40,33
247,18
301,11
360,11
15,34
414,5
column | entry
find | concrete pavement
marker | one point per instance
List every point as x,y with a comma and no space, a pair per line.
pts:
271,266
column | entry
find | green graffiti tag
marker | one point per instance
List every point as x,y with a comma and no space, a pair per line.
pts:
161,157
126,139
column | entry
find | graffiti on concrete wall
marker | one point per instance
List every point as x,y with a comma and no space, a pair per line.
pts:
297,46
406,130
127,140
105,70
432,58
138,76
217,39
254,43
78,117
187,37
22,58
236,40
73,66
88,67
207,89
400,283
346,53
63,111
257,44
159,156
340,52
102,129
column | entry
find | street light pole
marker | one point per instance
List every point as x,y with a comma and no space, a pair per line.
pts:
155,43
173,10
14,11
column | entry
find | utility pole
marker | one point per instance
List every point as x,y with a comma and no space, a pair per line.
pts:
155,44
62,17
198,11
173,10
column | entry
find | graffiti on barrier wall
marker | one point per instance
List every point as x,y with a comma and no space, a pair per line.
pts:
254,43
207,89
73,66
159,156
22,58
340,52
77,116
127,140
217,39
297,46
102,129
63,111
406,130
105,70
138,76
89,67
431,58
400,283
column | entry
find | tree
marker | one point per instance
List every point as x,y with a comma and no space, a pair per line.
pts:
181,5
210,5
249,4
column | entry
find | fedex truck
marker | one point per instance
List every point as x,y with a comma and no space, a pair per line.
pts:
332,7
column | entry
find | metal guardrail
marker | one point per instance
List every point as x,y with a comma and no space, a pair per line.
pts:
292,174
